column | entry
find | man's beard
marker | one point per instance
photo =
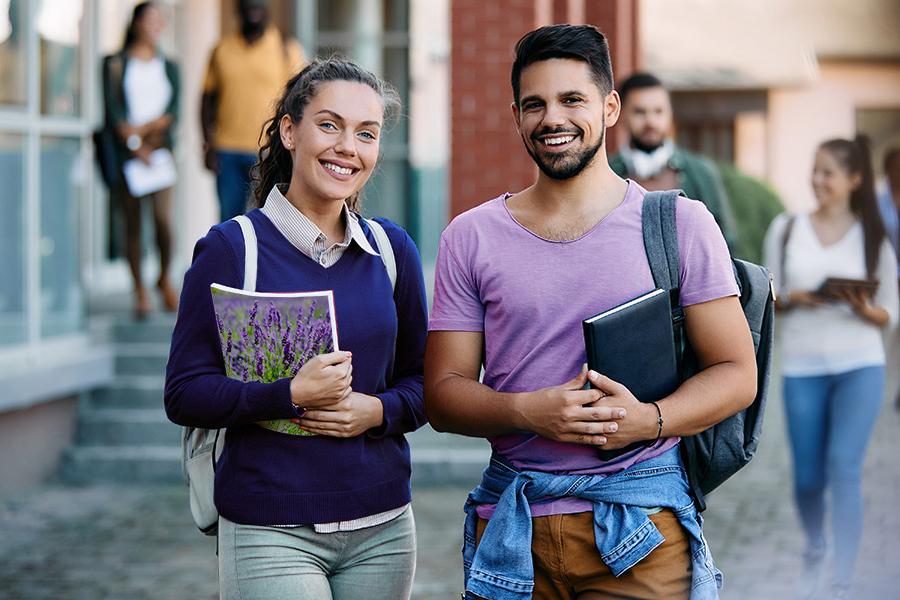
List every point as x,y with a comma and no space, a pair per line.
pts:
251,29
646,148
567,164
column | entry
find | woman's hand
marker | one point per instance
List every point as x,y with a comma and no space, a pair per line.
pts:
862,305
352,416
803,299
323,380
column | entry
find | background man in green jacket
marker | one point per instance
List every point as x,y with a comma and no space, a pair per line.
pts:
652,159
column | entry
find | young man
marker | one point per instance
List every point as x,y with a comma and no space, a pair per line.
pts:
515,278
652,158
246,74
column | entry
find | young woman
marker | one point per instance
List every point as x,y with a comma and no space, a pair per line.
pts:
832,352
140,92
326,516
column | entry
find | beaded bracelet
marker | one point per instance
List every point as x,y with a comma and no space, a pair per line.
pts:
659,421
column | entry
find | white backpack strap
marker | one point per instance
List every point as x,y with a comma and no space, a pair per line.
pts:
385,250
250,252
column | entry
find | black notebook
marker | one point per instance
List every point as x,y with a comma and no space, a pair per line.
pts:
634,344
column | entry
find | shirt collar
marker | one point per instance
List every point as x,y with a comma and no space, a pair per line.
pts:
301,232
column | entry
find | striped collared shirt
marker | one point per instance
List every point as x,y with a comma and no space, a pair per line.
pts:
306,237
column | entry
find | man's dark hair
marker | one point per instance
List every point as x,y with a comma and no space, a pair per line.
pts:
579,42
638,81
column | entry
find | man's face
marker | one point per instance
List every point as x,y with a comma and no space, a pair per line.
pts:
254,13
647,115
562,115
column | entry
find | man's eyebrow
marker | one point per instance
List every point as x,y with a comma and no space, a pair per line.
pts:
338,117
572,93
530,99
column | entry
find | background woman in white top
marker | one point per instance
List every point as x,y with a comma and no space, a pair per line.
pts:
140,93
833,357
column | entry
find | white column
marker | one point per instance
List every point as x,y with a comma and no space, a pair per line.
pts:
367,28
196,203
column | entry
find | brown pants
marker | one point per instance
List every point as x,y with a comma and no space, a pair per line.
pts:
567,564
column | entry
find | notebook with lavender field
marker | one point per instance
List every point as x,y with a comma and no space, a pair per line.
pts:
269,336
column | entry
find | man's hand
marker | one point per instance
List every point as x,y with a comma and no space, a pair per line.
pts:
352,416
641,422
568,413
211,159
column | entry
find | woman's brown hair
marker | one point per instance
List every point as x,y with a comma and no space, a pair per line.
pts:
856,159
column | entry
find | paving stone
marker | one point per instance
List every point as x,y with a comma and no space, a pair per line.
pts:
111,542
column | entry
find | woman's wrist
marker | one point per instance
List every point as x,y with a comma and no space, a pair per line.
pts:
297,398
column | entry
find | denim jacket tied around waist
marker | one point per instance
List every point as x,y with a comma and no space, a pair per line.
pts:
501,567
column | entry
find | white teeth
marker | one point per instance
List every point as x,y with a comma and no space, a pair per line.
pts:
556,141
337,169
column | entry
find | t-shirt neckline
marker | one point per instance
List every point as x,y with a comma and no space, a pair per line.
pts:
506,196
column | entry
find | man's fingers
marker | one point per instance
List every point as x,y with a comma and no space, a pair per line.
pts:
577,382
605,384
593,412
581,438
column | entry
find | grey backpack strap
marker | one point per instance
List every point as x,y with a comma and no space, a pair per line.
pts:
661,238
661,245
385,250
250,252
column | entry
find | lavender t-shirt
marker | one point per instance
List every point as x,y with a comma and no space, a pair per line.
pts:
529,295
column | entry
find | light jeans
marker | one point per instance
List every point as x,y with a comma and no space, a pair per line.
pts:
830,419
296,563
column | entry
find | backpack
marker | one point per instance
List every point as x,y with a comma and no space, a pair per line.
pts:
201,448
712,456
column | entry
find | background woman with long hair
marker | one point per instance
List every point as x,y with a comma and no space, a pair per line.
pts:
833,358
326,516
141,95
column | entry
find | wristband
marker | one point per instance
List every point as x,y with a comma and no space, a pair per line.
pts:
659,422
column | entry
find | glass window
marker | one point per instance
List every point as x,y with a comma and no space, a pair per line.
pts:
13,324
58,25
62,174
386,192
12,52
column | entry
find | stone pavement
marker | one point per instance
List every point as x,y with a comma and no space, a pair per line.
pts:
103,542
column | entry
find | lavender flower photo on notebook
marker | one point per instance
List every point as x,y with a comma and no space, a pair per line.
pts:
268,336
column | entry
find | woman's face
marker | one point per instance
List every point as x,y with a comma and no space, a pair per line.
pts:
335,145
151,25
832,183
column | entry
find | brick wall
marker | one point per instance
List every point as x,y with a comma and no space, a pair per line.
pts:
487,156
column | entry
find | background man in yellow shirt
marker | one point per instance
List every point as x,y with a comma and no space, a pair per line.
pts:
246,72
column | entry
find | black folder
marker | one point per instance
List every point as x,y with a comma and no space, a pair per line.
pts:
634,344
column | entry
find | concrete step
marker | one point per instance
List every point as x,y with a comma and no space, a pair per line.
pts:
139,445
157,330
136,464
127,427
442,458
122,328
130,391
141,359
